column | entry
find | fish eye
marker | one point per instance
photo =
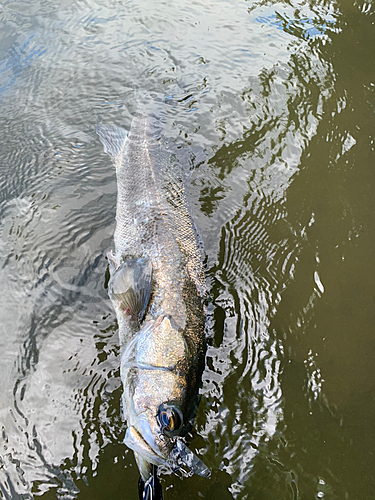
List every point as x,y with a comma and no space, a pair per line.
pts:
170,420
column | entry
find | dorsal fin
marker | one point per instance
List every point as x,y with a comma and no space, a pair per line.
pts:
112,137
131,287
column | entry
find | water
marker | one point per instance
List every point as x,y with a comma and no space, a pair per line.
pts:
281,97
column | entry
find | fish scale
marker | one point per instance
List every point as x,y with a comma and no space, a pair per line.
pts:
147,224
157,287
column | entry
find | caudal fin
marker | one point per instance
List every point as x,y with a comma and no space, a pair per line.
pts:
113,138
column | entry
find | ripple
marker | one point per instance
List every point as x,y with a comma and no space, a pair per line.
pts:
259,83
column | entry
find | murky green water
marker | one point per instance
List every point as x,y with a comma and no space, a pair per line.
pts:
281,97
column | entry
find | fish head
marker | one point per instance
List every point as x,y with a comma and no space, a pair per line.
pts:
157,401
150,436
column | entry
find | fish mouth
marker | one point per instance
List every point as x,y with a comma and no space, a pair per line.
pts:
136,442
180,458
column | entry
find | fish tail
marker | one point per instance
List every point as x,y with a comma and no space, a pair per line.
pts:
152,105
113,139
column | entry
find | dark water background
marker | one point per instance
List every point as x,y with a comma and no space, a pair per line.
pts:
281,97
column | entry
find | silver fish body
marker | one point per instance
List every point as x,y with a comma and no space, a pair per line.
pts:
157,287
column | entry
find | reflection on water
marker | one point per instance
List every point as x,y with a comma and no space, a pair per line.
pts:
281,97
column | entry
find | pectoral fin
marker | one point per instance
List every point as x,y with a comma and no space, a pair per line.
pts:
130,286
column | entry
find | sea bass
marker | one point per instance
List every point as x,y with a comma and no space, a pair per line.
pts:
157,288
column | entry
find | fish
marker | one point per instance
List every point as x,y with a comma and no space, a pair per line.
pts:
158,290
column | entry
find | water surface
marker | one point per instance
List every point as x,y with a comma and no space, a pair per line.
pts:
280,95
